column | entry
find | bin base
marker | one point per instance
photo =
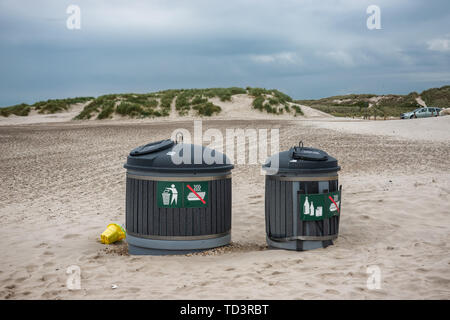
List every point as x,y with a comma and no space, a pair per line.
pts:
144,246
299,245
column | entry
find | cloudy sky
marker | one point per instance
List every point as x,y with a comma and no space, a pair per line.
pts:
308,49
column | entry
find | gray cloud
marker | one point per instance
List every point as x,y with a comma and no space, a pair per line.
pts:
310,49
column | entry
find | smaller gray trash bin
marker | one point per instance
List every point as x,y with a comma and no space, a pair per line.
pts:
302,199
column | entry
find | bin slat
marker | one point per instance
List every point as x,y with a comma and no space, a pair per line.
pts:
139,209
289,209
283,212
272,208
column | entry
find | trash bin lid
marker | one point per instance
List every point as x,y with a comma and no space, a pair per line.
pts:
152,147
303,160
167,156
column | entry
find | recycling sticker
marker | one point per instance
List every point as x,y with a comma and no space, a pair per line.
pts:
319,206
189,194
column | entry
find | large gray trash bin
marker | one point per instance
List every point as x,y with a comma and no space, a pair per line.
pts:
176,208
302,199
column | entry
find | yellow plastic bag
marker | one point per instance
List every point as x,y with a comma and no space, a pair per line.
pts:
113,233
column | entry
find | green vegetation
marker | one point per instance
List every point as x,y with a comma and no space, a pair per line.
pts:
207,109
182,104
158,104
437,97
107,110
297,110
365,105
46,107
22,109
270,100
58,105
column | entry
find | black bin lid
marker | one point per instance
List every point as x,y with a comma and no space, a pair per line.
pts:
157,157
301,160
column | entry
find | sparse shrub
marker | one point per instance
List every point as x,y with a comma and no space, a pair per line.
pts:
282,97
129,109
182,103
207,109
236,90
274,101
198,100
166,99
255,92
22,110
107,110
437,97
258,103
152,104
297,109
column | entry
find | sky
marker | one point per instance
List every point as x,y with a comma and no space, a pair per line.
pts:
305,48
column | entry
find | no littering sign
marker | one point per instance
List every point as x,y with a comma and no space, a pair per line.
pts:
319,206
188,194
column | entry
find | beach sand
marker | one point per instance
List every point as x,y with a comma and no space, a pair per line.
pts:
63,183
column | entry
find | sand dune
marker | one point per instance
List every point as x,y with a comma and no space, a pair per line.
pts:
62,183
240,107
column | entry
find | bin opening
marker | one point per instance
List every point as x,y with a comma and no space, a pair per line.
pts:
309,154
152,147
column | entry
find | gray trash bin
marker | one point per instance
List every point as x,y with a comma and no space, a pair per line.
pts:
302,199
176,208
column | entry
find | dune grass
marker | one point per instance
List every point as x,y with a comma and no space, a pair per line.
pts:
437,97
22,109
207,109
271,101
58,105
361,105
44,107
158,104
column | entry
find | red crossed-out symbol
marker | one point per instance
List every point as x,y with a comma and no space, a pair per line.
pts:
334,203
201,199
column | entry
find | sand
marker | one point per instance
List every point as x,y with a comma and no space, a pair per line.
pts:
429,129
62,183
35,117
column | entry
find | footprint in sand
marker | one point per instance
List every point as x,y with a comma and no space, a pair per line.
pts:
331,291
71,236
20,280
41,245
31,268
